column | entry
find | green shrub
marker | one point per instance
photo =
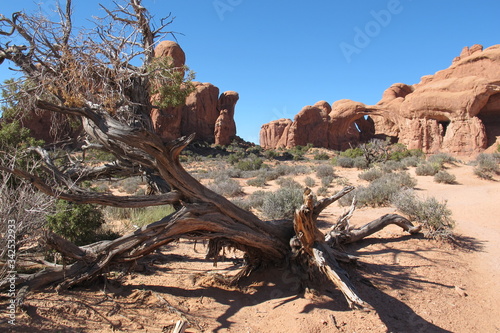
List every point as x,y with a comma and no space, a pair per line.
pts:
380,191
80,224
326,181
251,163
325,170
444,177
390,166
131,184
321,156
221,171
427,169
322,191
352,153
441,159
361,163
259,181
434,216
282,203
270,154
399,152
345,162
371,174
411,161
226,186
288,182
487,166
309,182
243,203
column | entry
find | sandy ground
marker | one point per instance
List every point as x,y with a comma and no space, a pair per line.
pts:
414,284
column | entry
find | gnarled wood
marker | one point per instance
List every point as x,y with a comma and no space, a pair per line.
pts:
319,247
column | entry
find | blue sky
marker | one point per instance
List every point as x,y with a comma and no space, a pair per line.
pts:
282,55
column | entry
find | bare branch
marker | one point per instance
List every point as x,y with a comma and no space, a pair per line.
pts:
85,197
322,204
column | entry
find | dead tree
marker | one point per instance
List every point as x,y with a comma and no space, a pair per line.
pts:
95,78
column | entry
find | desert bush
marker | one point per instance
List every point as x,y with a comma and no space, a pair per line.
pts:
282,203
325,170
391,165
380,191
284,170
259,181
225,186
352,153
487,166
309,182
444,177
131,184
288,182
78,223
434,216
411,161
254,200
399,151
441,159
361,163
323,191
326,181
371,174
250,163
270,154
344,162
243,203
427,169
221,171
321,156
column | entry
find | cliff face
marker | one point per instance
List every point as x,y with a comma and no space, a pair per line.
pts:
456,110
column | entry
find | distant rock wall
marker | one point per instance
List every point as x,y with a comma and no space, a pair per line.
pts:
456,110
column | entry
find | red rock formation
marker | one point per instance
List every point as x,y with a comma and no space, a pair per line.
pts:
168,48
456,110
309,126
201,111
225,127
272,132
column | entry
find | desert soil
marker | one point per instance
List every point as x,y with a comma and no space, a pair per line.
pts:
414,284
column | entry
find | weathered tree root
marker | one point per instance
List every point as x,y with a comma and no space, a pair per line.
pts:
320,248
